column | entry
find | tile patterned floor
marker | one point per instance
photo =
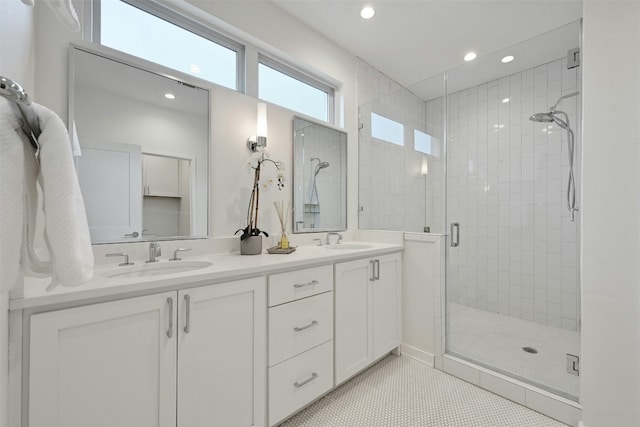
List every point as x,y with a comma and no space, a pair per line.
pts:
496,340
401,392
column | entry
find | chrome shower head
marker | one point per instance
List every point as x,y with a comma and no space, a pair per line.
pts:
320,166
550,117
541,118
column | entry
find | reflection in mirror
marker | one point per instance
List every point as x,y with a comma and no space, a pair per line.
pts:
320,177
144,142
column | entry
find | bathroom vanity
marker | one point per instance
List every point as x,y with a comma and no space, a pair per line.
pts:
220,340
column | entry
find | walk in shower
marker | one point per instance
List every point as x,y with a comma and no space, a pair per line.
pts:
488,154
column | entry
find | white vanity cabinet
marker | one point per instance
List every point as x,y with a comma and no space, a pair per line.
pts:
198,353
367,312
109,364
300,339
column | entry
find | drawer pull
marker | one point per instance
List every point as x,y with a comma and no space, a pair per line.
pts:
302,328
308,380
302,285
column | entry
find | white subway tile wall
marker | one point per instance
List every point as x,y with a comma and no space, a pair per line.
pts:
507,178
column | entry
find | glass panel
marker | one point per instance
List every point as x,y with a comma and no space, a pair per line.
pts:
400,188
291,93
512,295
146,36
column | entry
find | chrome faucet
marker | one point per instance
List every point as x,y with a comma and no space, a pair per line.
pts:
334,234
154,251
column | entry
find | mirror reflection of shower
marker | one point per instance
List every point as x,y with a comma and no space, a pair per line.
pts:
551,116
313,204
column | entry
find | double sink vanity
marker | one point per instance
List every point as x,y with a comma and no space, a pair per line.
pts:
217,340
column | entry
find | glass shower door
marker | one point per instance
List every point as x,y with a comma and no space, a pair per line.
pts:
512,285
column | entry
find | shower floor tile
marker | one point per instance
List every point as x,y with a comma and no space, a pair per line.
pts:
400,392
497,341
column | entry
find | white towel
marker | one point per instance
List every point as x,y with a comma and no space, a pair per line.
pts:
12,146
66,230
62,223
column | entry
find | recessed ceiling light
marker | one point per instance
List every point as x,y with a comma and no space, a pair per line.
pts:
367,12
169,96
507,59
505,100
470,56
194,68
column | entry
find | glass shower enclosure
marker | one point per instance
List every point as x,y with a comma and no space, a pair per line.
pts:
512,285
460,155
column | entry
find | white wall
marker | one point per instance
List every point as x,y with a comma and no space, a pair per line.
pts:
611,215
16,63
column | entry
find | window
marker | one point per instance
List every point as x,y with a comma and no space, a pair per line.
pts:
387,129
425,143
293,90
157,34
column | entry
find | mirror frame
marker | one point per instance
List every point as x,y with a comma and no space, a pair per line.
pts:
162,71
345,162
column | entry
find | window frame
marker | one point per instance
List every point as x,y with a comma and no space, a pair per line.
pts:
186,23
305,78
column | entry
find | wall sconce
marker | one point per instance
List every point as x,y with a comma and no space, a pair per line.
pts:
259,140
424,170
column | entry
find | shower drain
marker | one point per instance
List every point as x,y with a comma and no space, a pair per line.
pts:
530,350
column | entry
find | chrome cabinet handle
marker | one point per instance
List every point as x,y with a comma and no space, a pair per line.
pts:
187,324
170,330
372,263
376,270
311,378
302,328
134,234
302,285
455,237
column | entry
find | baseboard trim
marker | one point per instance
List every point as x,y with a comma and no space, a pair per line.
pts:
417,354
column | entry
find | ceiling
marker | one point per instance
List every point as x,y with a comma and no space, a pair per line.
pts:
411,41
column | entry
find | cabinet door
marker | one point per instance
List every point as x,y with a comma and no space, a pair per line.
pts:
222,355
353,317
386,299
162,176
109,364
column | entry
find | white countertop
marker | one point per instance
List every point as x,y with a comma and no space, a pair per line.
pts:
224,268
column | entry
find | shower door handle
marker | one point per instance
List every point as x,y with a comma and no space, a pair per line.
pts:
455,234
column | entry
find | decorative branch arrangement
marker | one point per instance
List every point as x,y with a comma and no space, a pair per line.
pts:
254,201
283,216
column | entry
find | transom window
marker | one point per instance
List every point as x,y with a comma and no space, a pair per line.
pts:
293,90
386,129
157,34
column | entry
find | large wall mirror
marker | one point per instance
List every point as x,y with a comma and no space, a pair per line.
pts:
319,178
144,139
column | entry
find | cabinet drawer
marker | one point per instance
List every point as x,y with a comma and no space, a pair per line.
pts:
294,285
299,326
298,381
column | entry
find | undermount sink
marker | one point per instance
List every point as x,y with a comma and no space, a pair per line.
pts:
157,269
347,246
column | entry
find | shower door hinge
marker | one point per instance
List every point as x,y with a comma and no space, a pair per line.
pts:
573,364
573,58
